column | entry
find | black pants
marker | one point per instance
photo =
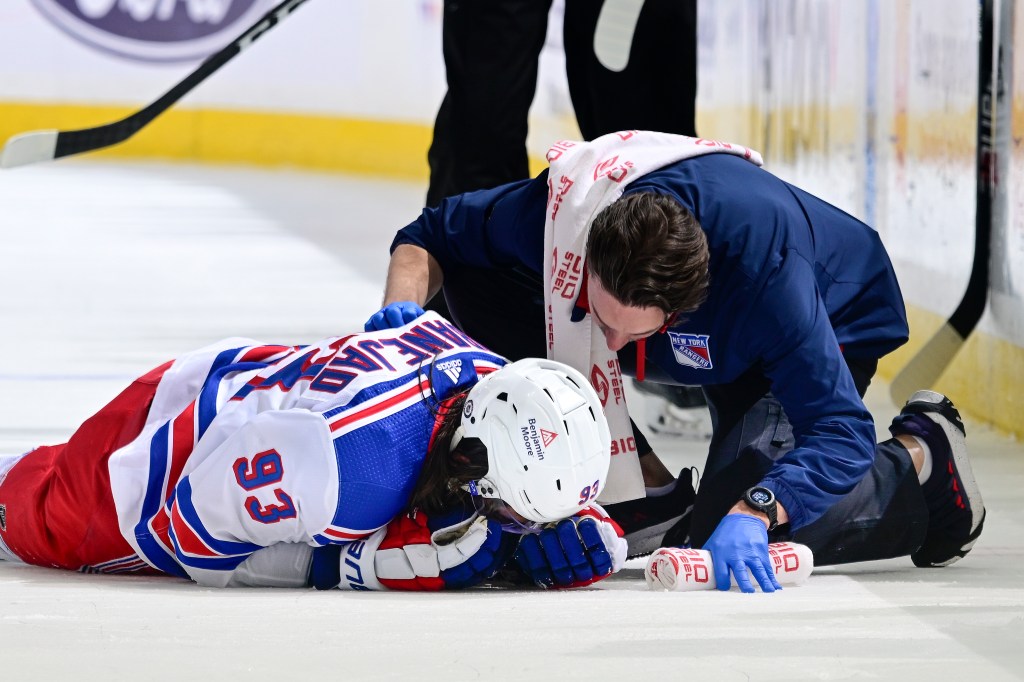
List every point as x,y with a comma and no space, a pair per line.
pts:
491,50
884,516
657,90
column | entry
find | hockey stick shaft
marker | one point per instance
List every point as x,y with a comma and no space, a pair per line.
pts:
925,368
46,145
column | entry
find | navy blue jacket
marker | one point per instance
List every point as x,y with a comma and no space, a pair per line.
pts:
795,284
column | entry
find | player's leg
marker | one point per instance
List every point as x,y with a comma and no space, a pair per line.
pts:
58,509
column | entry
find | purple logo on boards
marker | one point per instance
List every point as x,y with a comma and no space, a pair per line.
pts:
154,30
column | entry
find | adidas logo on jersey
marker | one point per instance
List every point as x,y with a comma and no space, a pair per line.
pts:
452,369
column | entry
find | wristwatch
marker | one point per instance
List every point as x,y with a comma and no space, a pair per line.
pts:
761,499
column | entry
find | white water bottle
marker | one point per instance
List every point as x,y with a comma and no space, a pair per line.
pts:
686,570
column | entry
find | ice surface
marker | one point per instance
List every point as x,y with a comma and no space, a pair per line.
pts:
107,270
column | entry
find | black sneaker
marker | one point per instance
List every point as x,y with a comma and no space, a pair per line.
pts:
652,522
956,512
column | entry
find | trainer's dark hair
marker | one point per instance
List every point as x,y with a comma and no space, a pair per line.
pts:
648,250
445,470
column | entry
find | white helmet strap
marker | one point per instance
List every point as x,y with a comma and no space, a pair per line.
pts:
457,437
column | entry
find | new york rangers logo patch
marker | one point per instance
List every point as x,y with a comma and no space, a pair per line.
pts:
691,350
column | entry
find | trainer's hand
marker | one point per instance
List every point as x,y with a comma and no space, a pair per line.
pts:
738,545
393,315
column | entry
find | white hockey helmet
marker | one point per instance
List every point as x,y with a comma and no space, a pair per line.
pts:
547,439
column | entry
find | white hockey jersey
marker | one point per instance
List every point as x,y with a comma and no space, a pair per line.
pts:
249,445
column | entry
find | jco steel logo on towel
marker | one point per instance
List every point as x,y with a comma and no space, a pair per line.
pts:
154,30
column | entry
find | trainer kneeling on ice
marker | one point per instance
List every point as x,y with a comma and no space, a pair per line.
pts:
681,259
408,459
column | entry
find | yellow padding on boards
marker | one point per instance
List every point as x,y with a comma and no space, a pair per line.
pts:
385,148
983,380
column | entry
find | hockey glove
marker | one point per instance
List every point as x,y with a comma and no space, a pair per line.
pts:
740,545
392,316
578,551
408,555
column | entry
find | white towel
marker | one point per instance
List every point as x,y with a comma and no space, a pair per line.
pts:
583,179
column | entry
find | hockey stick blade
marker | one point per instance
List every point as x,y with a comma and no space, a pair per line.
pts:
925,368
46,145
27,148
932,359
613,35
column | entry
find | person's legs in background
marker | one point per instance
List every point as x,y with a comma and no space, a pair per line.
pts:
491,50
657,87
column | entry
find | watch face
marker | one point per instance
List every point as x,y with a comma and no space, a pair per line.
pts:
760,496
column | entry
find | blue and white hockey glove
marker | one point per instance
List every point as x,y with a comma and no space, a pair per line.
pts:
392,316
408,554
578,551
739,546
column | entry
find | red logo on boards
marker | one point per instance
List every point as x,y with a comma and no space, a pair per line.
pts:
547,436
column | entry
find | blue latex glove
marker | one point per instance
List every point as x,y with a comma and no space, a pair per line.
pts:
393,315
572,554
739,544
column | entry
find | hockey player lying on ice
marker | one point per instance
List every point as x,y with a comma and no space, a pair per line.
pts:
410,459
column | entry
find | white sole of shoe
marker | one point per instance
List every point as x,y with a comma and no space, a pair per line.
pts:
958,447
